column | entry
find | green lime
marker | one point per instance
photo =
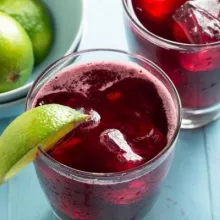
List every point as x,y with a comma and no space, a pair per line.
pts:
16,54
35,19
41,126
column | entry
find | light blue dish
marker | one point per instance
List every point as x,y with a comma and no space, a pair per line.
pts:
67,17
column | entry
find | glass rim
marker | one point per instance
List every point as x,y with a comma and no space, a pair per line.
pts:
176,45
109,176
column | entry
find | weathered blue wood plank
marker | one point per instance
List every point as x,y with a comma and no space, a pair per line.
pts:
26,200
185,195
104,25
4,123
212,134
4,208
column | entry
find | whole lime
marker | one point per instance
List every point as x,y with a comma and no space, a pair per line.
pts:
16,54
35,19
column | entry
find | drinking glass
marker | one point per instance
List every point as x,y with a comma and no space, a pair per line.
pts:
76,194
197,80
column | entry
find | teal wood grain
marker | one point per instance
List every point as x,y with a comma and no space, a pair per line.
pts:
185,194
4,203
23,199
212,139
4,123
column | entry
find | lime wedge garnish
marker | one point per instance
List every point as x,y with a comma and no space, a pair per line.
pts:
43,126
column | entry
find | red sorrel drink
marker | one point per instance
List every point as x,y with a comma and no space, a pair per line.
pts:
183,38
112,165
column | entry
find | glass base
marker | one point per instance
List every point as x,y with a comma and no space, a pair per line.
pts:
199,118
60,215
57,216
141,215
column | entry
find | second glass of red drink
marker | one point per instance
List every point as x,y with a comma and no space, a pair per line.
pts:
183,38
112,165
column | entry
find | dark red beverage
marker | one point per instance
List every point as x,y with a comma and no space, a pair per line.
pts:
129,112
182,37
132,120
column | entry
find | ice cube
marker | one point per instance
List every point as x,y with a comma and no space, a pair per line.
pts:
141,128
93,120
150,144
115,142
158,10
179,34
157,138
114,96
203,60
212,6
198,24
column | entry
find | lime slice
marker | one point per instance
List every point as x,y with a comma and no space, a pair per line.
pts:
43,126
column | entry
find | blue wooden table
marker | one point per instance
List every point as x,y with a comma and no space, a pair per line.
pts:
191,191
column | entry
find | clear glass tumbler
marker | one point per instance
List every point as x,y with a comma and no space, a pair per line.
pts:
80,195
197,80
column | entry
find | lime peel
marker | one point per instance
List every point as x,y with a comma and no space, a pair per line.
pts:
42,126
35,19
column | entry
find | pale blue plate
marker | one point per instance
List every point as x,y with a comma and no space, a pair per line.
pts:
67,17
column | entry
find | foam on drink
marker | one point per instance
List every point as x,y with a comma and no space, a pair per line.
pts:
76,78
